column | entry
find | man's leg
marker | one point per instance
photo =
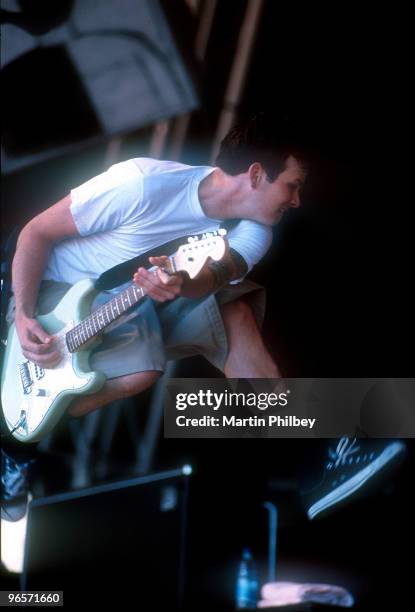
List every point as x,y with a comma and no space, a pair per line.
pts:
115,388
248,357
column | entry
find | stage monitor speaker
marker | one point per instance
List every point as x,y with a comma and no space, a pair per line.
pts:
78,72
119,543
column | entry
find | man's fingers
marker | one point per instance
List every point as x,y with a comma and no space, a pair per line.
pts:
39,335
165,278
38,341
46,361
155,286
36,347
160,262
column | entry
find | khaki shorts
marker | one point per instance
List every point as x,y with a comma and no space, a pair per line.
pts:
154,333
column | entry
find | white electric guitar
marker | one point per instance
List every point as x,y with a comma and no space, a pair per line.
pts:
35,398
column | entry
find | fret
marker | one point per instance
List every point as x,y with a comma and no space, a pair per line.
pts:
88,328
138,292
86,333
95,320
82,332
103,316
106,314
101,312
69,342
118,305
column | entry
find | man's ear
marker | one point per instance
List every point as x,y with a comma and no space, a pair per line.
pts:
255,173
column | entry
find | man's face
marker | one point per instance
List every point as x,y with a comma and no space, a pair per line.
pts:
277,197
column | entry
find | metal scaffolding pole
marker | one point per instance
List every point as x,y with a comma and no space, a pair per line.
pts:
238,73
181,124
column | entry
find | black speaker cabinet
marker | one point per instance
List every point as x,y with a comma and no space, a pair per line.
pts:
121,542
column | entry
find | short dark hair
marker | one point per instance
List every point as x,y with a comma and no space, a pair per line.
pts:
261,139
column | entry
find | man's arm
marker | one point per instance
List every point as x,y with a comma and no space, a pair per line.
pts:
215,275
231,267
32,252
212,277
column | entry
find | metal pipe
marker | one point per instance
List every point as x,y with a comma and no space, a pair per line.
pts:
181,123
238,73
272,540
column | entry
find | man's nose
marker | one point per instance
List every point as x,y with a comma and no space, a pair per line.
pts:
295,201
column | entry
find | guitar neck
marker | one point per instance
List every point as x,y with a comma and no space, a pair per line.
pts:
106,314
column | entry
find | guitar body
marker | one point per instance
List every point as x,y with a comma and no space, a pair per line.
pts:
42,395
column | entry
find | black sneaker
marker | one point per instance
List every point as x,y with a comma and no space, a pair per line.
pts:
14,487
352,466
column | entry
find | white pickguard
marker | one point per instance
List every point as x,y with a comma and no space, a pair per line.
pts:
47,385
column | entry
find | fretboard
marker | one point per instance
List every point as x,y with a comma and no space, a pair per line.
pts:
102,317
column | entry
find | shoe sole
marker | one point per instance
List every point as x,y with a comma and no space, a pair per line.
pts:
353,484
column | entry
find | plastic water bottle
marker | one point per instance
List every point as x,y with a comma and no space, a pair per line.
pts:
247,583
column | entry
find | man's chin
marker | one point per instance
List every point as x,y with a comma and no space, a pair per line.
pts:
270,220
277,218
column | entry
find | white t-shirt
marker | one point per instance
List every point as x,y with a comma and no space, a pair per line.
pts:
135,206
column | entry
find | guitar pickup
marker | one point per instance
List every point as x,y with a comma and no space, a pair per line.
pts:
25,377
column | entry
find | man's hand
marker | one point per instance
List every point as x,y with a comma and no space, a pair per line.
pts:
159,285
36,344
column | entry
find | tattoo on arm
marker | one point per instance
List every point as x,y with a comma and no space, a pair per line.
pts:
240,267
225,271
221,272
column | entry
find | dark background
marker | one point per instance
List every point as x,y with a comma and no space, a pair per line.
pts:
338,281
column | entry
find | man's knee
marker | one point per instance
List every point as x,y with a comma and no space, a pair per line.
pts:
237,312
114,389
134,383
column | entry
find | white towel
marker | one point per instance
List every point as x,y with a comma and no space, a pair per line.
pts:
285,593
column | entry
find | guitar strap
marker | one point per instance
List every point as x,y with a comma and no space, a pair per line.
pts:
123,272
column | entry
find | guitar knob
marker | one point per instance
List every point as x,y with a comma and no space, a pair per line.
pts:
42,392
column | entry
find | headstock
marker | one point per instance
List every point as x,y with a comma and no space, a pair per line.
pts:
192,256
